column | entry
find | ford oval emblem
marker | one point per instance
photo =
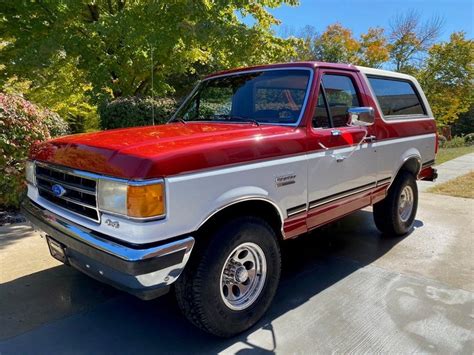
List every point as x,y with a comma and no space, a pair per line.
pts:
58,190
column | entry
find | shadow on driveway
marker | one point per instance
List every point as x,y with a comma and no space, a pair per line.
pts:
106,320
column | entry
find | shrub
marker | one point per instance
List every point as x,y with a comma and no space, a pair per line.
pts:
56,125
469,139
135,111
21,124
455,142
442,141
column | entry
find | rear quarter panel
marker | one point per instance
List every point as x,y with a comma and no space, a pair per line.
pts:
404,137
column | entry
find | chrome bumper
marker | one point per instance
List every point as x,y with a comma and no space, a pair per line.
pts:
145,272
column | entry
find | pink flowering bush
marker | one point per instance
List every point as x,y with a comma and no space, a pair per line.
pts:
21,124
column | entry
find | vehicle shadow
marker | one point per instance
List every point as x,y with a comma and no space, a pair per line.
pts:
10,234
122,323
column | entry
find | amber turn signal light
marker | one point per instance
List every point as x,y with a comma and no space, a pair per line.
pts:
145,200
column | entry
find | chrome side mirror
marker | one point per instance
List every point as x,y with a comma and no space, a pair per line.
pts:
361,116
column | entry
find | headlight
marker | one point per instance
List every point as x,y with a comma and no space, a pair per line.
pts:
136,200
112,196
30,172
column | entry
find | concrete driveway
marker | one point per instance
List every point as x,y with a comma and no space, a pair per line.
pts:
344,289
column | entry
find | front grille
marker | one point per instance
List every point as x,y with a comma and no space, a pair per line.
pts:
79,195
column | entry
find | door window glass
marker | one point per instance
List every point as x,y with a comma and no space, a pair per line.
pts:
340,95
321,116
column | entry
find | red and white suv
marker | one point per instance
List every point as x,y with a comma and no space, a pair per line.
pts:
254,156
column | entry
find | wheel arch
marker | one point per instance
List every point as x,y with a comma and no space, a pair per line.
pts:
251,205
411,162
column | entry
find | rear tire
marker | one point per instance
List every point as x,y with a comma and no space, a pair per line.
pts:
395,215
228,286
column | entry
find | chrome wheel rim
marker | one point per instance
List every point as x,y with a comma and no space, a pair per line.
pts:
405,203
243,276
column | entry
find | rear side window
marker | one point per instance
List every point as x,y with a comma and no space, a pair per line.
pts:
397,97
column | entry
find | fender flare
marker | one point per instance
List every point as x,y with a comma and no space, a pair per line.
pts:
239,195
410,154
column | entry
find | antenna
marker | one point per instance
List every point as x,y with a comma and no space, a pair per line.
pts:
152,90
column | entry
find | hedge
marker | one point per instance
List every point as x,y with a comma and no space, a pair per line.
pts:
21,124
135,111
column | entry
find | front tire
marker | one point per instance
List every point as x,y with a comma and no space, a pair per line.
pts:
395,215
229,285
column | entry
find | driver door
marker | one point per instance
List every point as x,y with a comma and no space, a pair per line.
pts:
342,162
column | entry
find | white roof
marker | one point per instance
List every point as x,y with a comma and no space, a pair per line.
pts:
380,72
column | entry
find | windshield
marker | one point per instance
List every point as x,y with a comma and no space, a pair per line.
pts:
271,96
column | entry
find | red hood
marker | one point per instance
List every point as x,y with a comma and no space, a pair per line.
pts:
157,151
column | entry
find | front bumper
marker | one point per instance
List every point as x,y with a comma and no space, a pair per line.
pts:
145,272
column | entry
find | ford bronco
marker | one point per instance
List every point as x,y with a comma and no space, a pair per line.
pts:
252,157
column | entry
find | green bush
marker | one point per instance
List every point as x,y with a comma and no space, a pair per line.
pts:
455,142
135,111
469,139
56,125
21,124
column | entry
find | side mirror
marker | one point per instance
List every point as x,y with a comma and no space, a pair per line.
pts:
361,116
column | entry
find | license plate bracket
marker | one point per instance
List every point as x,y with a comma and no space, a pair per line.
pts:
57,250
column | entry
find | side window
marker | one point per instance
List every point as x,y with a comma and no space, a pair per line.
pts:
397,97
321,116
340,95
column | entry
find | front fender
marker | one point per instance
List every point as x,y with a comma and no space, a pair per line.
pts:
240,194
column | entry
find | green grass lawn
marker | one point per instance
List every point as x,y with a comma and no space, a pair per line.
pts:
462,186
445,154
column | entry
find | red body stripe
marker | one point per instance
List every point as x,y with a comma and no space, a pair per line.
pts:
295,225
379,193
316,217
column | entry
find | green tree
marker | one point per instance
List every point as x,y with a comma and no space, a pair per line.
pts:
61,88
465,124
447,77
305,48
116,45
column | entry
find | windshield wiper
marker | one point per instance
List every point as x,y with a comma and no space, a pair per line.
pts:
243,119
178,119
225,118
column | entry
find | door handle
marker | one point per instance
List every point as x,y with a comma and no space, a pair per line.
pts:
370,139
336,132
